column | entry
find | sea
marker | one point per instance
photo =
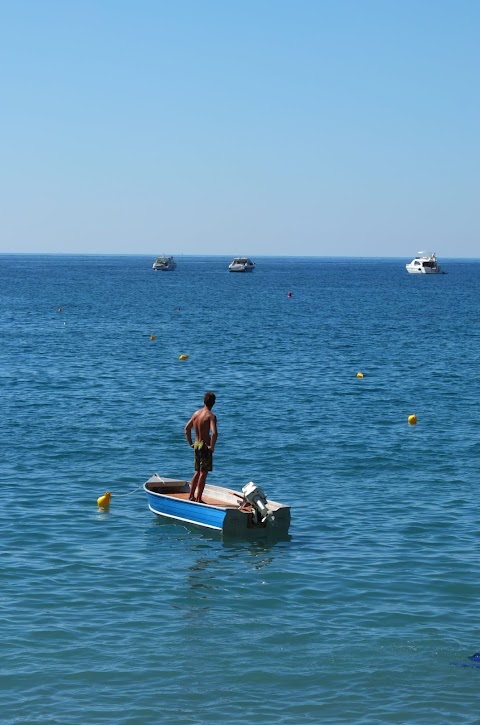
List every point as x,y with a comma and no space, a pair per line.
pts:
368,612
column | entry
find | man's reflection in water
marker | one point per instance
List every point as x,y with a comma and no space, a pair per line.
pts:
215,565
203,572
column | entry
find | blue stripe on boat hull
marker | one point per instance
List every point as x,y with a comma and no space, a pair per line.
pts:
187,511
185,521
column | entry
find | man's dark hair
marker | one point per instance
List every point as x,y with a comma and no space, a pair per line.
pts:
209,399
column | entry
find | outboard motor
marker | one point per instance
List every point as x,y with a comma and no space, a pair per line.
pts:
257,498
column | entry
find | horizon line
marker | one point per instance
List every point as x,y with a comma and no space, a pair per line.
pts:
221,256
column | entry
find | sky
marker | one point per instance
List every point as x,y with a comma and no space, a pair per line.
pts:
225,127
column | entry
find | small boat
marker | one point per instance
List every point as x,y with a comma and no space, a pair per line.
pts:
164,264
247,514
241,264
424,263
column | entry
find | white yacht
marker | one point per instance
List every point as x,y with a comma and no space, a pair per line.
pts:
241,264
424,263
164,264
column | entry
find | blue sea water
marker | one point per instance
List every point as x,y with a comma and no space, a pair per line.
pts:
119,617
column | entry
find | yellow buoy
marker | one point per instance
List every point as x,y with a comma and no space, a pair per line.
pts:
183,357
412,419
103,502
152,337
359,375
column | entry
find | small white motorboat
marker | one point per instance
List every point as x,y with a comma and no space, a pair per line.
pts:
164,264
424,263
241,264
247,514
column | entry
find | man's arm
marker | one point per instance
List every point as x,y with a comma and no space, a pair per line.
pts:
188,431
214,436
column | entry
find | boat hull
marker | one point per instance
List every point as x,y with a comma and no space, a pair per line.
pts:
186,511
226,515
423,270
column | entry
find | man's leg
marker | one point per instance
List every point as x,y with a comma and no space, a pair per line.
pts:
202,479
193,485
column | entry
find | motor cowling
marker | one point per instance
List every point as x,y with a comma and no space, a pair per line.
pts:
256,496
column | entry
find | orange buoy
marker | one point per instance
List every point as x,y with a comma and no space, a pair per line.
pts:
103,502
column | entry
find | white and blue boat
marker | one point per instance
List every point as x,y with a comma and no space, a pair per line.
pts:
164,264
247,514
424,263
241,264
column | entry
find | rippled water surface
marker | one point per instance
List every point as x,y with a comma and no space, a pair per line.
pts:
368,614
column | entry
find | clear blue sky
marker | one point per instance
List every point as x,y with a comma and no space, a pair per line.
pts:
310,127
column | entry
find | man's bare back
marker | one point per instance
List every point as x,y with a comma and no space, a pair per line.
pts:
204,421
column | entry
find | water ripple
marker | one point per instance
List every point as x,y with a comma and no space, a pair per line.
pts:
119,617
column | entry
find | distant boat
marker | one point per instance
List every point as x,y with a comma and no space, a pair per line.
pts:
164,264
424,263
241,264
248,514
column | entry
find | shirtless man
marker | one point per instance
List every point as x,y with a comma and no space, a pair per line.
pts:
204,423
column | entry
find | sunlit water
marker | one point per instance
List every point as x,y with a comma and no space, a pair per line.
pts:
118,617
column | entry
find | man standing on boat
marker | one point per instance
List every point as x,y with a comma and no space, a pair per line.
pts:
204,424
